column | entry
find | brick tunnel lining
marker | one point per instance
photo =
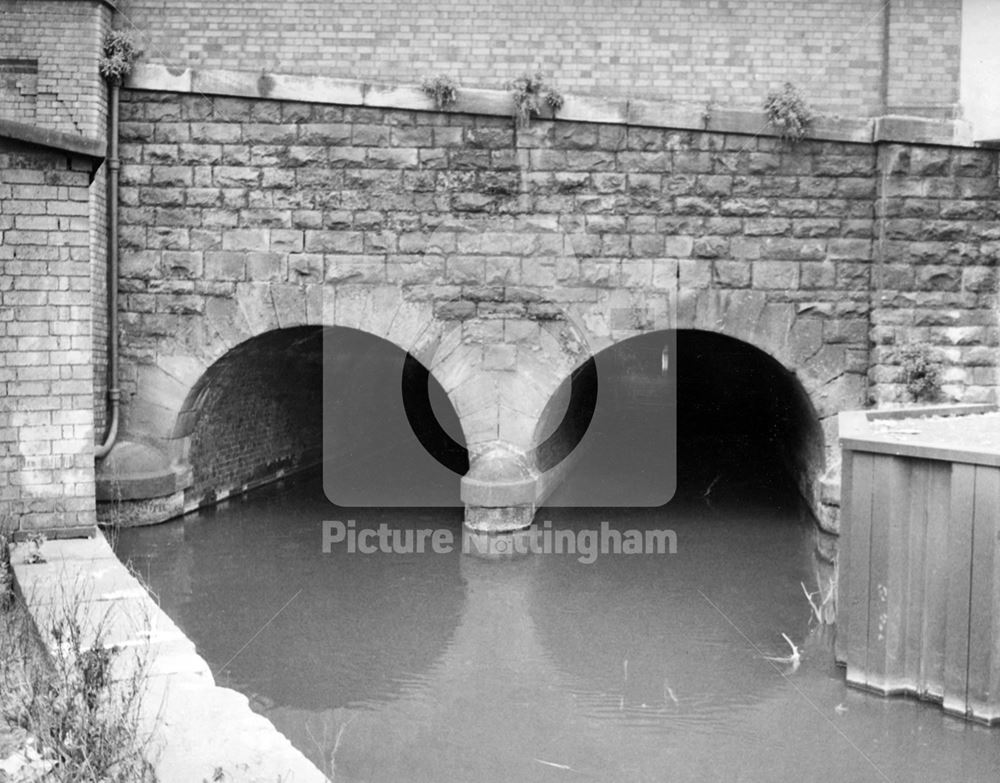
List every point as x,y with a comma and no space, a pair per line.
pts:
258,412
255,412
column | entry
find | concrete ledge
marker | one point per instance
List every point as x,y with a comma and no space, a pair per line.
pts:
577,108
53,139
920,130
109,4
971,436
195,728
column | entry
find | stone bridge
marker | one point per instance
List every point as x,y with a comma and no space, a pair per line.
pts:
257,211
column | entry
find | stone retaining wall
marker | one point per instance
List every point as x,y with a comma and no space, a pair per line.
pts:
935,280
254,200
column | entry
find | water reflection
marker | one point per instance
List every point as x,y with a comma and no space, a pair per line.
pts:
652,641
452,667
327,629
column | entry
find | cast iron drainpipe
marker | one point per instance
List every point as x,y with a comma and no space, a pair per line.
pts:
114,393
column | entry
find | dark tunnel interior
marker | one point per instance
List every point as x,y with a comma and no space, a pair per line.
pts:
690,414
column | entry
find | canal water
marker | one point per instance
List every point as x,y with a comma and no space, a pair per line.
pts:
455,666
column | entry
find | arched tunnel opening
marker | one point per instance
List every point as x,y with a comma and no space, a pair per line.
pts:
370,414
687,413
744,421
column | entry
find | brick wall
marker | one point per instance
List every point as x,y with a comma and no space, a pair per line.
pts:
19,87
46,368
924,55
49,51
686,51
61,42
936,281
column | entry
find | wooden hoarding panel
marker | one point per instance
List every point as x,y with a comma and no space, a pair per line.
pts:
935,578
859,507
984,701
959,566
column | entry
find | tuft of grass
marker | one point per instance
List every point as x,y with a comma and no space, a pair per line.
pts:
118,55
442,89
921,374
788,113
82,724
531,95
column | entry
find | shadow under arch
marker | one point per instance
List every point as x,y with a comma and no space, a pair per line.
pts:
746,425
289,399
688,409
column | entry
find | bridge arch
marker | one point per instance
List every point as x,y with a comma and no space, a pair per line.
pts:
495,371
302,396
780,344
162,381
499,365
237,340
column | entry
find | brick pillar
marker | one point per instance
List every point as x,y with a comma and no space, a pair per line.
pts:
46,369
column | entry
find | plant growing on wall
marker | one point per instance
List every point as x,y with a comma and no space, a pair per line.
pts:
788,113
118,56
531,95
442,89
921,375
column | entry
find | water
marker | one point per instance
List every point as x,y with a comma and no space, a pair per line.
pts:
451,667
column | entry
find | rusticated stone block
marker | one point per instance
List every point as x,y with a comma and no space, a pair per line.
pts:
979,279
793,249
710,247
745,207
929,162
334,241
938,278
845,331
305,268
775,275
849,249
177,263
267,266
817,275
223,265
732,274
140,264
853,277
692,205
454,311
